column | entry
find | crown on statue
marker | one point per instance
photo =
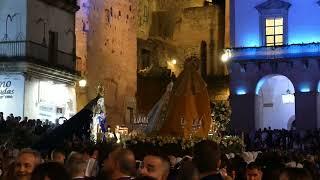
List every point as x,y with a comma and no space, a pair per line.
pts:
100,89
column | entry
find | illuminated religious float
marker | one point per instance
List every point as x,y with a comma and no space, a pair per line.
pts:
184,109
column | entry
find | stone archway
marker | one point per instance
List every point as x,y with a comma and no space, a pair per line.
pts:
274,102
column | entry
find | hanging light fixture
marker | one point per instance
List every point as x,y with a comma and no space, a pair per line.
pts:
288,97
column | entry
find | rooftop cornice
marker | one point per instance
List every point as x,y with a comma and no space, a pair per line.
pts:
273,4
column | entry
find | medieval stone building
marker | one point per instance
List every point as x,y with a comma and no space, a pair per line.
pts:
170,31
118,40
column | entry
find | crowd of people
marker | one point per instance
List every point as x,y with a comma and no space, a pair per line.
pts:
274,154
307,141
38,126
14,128
206,162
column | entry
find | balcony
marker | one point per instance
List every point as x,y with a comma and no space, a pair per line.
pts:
68,5
277,52
37,53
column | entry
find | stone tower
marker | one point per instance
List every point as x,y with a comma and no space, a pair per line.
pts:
111,50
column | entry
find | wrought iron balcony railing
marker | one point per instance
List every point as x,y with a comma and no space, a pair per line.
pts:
277,52
38,53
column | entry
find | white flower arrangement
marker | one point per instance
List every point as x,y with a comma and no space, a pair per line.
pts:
221,114
228,143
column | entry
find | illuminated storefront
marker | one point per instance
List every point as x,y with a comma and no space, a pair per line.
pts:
36,98
12,94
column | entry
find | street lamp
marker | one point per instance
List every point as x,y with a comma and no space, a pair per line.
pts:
226,56
83,83
9,17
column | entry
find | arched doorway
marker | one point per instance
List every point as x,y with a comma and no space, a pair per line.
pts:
274,102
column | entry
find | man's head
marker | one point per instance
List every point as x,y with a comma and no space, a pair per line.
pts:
58,156
206,156
77,168
73,156
25,163
155,165
295,173
50,171
253,172
120,161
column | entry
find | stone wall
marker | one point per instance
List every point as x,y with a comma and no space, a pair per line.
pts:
165,5
178,29
82,29
112,54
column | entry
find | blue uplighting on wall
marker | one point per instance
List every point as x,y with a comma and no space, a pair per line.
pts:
241,91
319,87
250,41
288,51
305,88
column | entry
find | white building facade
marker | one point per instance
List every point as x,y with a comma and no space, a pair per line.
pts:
37,58
274,64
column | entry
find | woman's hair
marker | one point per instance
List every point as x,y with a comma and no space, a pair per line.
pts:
296,174
52,170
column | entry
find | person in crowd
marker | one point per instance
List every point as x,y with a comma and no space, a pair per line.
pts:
187,171
145,178
311,166
295,174
50,171
254,172
224,168
58,156
173,161
11,117
1,116
92,167
25,163
1,168
155,165
73,156
86,153
120,164
77,169
207,159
